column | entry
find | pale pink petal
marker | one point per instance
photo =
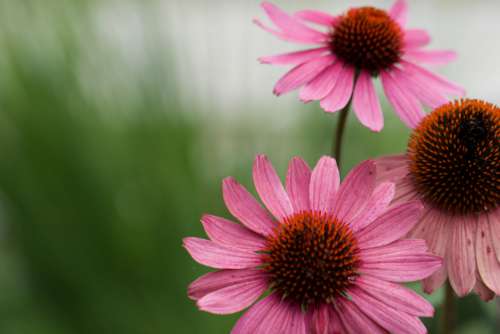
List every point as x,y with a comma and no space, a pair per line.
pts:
482,290
391,168
416,38
317,17
341,92
354,320
487,263
323,84
298,179
220,279
366,103
494,219
225,232
243,206
281,35
461,261
435,57
270,189
406,105
302,74
323,320
235,297
376,205
399,12
325,182
213,255
393,320
391,226
396,251
355,191
294,58
396,296
405,191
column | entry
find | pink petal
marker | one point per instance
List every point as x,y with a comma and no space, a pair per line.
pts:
376,205
220,279
270,189
297,184
323,320
391,226
391,168
355,191
213,255
354,319
440,57
416,38
393,320
396,251
323,84
235,297
396,296
494,219
294,58
281,35
243,206
302,74
482,290
399,12
341,92
406,104
461,262
325,182
317,17
366,103
227,233
487,262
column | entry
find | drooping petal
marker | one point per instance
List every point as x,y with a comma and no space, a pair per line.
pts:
325,182
366,103
416,38
213,255
399,12
298,179
243,206
494,219
354,319
482,290
376,205
323,84
283,36
439,57
487,262
315,16
341,92
270,189
432,79
294,58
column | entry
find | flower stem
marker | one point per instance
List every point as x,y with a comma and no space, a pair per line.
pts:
338,135
448,311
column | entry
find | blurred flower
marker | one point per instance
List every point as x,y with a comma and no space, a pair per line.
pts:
330,256
453,167
359,46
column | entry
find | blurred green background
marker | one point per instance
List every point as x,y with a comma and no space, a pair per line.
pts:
118,121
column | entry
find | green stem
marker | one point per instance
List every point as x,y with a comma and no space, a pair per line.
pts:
448,311
338,135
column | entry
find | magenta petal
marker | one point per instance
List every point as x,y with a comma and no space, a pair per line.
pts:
298,179
376,205
396,251
341,92
323,320
399,12
432,79
270,189
416,38
460,261
366,103
317,17
225,232
354,321
325,182
243,206
411,269
438,57
323,84
487,262
294,58
213,255
391,226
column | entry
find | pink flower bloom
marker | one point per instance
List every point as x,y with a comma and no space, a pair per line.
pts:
358,46
453,167
329,253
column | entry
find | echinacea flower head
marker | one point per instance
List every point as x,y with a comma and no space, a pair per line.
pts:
329,255
453,166
352,50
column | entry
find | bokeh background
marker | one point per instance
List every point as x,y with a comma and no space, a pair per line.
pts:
118,121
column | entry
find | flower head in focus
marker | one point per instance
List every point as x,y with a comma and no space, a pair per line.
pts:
453,167
329,254
353,49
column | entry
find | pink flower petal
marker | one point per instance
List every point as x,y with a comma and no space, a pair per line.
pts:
323,320
297,184
461,262
325,182
376,205
399,12
416,38
482,290
294,58
396,251
355,191
366,103
213,255
341,92
391,226
391,168
227,233
494,219
439,57
270,189
323,84
220,279
302,74
396,296
354,320
317,17
393,320
281,35
406,105
243,206
487,262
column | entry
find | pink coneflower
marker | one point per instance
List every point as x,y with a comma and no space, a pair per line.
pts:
358,46
330,254
453,167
